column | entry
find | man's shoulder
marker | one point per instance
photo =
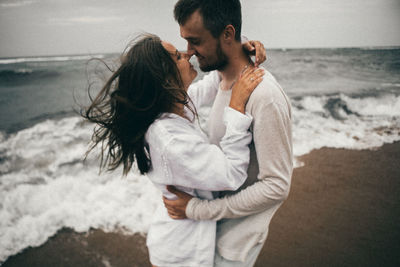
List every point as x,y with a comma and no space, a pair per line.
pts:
268,91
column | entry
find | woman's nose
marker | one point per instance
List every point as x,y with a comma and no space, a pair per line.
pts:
187,55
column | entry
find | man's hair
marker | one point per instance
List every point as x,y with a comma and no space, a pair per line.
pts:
217,14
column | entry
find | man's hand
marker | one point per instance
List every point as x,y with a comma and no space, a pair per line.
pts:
256,48
176,208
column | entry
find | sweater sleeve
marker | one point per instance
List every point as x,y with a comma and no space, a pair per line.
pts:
203,92
194,163
272,140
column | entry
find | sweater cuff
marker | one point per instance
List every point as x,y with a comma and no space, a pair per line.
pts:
236,120
190,208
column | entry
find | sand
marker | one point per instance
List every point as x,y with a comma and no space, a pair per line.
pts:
343,210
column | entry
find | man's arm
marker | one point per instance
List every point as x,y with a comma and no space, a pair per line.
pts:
272,139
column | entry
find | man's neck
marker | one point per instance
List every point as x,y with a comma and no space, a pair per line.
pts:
238,61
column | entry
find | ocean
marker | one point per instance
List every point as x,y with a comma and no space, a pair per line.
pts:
343,98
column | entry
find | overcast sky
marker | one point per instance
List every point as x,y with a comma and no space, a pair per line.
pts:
59,27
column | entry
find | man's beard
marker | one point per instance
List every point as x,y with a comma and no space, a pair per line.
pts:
220,63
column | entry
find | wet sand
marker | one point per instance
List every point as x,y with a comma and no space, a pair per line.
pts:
343,210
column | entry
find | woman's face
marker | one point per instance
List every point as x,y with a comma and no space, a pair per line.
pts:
188,73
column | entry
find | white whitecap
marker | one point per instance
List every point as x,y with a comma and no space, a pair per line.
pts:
48,59
46,186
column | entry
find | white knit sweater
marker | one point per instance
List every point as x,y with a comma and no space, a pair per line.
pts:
250,209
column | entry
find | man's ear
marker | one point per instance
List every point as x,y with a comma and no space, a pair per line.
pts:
228,35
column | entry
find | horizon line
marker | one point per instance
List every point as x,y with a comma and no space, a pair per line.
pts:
384,47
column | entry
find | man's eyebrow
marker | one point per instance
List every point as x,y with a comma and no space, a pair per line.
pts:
191,38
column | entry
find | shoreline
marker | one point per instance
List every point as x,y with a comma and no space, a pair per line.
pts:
343,210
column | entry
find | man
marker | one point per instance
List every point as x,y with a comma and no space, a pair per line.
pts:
212,29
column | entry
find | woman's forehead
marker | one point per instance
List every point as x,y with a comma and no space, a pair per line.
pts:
169,47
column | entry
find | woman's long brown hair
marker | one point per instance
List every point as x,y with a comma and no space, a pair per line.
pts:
146,84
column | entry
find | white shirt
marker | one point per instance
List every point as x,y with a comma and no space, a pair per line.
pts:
181,155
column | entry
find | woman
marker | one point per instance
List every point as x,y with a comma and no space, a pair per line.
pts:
144,114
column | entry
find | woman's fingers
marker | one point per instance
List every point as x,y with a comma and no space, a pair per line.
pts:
243,88
254,78
259,73
257,49
252,74
251,69
257,81
260,53
248,46
247,72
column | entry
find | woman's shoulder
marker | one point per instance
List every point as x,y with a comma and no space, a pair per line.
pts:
166,128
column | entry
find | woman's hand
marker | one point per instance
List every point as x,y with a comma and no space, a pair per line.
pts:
244,86
255,48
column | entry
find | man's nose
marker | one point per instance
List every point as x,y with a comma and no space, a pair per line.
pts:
190,51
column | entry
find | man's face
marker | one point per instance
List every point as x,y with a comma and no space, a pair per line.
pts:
202,44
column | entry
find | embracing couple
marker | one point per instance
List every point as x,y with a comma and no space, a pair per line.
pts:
220,190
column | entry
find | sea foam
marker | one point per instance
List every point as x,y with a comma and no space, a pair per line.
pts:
48,59
341,121
45,185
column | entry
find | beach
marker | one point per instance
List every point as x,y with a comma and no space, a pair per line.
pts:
58,210
338,63
343,210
